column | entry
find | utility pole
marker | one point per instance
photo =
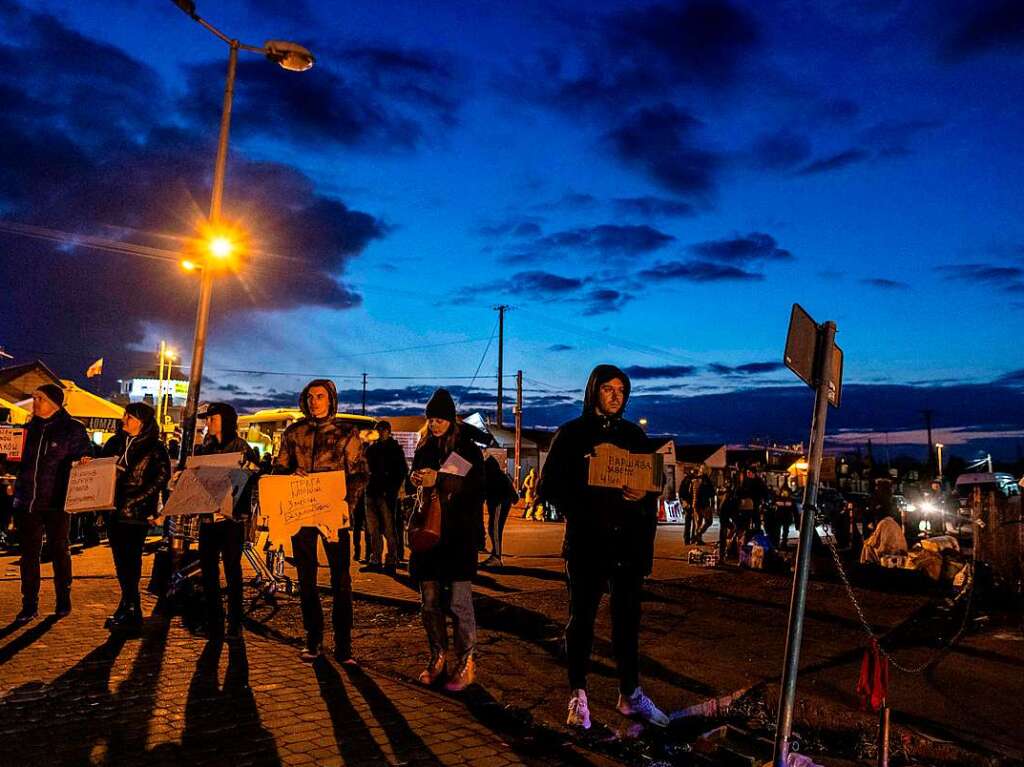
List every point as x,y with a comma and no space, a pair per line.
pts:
160,388
364,393
519,429
931,447
501,361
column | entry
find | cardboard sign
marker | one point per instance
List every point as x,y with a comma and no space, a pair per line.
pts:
290,502
222,460
92,485
206,490
611,466
12,443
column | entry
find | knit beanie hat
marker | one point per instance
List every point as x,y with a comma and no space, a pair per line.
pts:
141,411
441,405
53,393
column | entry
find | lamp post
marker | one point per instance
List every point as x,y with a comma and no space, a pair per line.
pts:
294,58
938,448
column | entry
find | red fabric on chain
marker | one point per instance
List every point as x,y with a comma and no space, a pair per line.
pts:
873,684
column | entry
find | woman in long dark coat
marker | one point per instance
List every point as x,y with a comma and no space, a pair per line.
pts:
444,572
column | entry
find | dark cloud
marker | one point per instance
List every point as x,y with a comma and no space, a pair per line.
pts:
893,138
560,348
781,150
111,167
698,271
836,161
885,283
643,373
372,97
516,226
748,369
661,142
570,201
985,25
652,207
610,240
604,301
1014,377
743,249
542,283
1008,278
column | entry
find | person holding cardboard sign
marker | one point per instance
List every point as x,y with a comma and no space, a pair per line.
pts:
448,466
143,470
319,441
221,538
609,541
54,441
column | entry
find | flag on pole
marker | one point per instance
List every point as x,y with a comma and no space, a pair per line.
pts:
95,369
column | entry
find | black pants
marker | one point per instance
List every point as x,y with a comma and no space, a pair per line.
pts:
399,513
497,515
30,544
585,589
360,530
221,539
126,539
338,560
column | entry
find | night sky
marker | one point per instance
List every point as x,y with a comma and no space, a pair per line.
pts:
648,185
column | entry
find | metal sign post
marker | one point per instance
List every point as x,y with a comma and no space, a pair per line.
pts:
826,380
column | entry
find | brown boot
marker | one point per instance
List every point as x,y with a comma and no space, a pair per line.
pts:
462,678
433,671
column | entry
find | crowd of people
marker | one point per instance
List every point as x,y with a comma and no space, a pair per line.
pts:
608,545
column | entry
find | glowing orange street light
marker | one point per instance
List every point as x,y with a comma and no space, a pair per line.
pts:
221,247
189,266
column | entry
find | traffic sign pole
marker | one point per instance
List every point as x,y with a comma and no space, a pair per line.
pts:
826,387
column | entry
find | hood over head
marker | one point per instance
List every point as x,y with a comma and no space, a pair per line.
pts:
228,420
332,396
601,375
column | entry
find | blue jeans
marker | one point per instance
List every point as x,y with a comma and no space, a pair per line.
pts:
455,599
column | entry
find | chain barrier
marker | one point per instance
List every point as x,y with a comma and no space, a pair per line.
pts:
968,590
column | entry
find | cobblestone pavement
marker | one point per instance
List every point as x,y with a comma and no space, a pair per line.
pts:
72,694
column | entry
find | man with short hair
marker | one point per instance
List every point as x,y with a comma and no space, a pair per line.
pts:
388,468
53,443
609,542
319,441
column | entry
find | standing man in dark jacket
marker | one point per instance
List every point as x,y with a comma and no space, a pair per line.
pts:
501,494
53,443
386,462
322,442
220,537
609,542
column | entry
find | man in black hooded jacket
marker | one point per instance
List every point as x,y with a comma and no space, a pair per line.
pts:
608,545
53,443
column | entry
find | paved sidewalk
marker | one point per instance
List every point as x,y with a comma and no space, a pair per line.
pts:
72,694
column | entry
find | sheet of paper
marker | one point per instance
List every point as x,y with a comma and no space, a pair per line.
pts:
92,485
206,490
223,460
457,465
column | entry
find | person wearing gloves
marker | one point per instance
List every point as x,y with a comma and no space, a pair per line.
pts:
319,441
143,470
450,463
54,441
221,538
608,544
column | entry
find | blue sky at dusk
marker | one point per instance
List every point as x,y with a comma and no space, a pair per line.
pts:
647,184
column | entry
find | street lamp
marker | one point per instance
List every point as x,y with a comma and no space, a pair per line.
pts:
938,448
294,58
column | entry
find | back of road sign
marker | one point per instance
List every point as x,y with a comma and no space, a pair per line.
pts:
802,352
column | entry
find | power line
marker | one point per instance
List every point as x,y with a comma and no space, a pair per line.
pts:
482,358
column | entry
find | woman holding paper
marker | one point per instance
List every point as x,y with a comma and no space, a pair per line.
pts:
448,463
143,469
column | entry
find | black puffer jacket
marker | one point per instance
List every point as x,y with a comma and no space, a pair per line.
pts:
454,557
143,470
51,446
602,529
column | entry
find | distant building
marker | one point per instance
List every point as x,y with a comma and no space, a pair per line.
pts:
146,389
17,382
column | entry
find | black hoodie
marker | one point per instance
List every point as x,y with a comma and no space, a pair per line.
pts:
603,529
143,470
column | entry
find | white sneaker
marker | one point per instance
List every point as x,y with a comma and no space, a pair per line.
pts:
579,711
640,706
